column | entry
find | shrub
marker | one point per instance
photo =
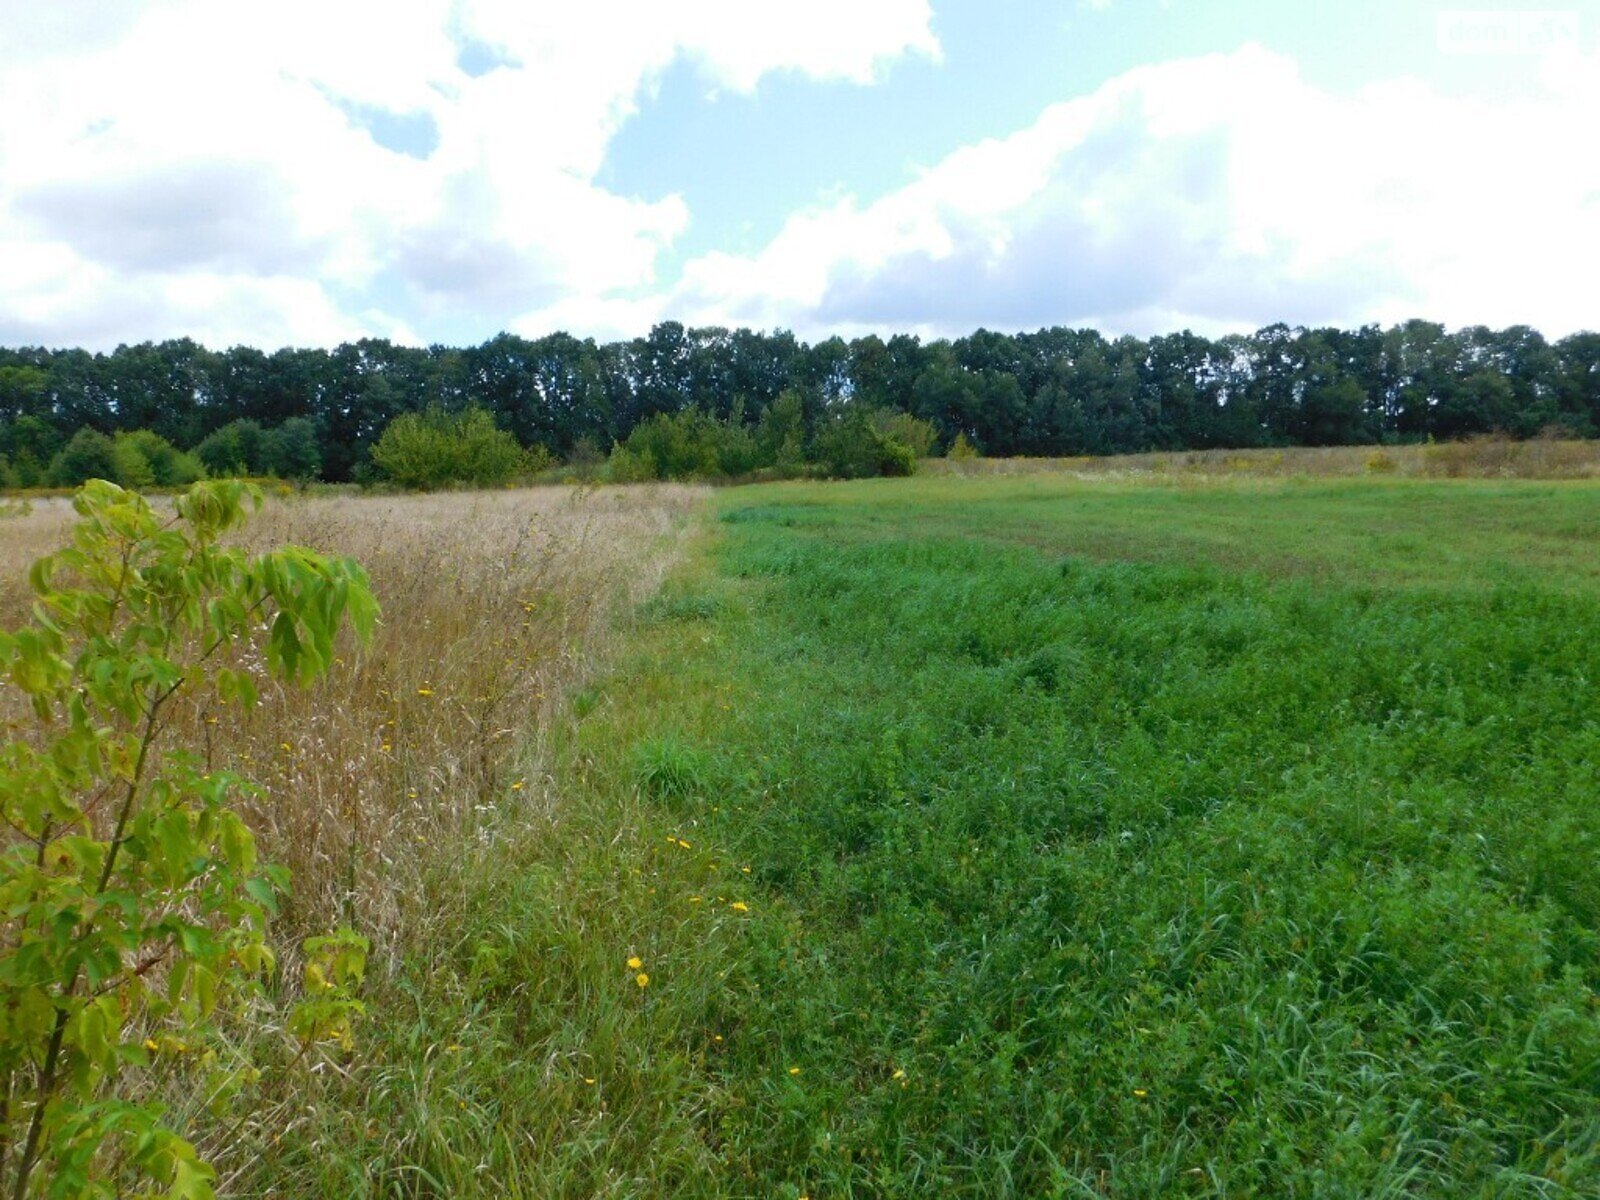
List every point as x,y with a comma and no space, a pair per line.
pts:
914,434
145,459
537,459
89,455
629,466
136,908
436,448
238,448
850,446
962,450
694,445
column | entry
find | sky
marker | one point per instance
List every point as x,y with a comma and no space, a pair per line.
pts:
307,172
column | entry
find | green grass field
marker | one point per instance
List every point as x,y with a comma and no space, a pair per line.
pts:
1042,837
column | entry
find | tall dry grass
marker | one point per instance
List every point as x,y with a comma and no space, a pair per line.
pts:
1486,457
494,605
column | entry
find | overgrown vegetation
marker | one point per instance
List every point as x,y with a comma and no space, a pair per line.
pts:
135,906
984,836
435,448
381,785
1033,837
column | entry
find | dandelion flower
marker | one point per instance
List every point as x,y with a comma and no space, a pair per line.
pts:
642,979
635,963
739,906
794,1070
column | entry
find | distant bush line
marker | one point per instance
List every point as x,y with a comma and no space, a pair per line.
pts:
715,403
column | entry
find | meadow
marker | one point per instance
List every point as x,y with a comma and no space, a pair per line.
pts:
1159,834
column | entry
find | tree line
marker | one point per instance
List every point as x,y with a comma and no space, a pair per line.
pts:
321,413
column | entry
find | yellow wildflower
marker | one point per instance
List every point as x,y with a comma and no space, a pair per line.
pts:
642,979
739,906
635,963
424,691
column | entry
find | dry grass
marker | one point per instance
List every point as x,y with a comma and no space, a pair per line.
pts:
1476,458
494,604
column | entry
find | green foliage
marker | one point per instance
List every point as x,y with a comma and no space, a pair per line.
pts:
962,450
89,455
537,460
296,452
28,443
238,448
781,433
136,906
691,445
915,435
628,466
147,459
247,448
436,448
850,445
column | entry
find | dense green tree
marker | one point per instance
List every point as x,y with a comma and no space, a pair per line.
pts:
1052,391
89,455
436,448
295,452
849,445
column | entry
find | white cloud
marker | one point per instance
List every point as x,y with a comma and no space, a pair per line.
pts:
1217,193
173,166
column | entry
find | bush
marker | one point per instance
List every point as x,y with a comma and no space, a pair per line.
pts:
961,450
146,459
436,448
914,434
89,455
850,446
537,459
238,448
628,466
694,445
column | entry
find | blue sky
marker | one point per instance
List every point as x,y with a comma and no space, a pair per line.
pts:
743,162
451,168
